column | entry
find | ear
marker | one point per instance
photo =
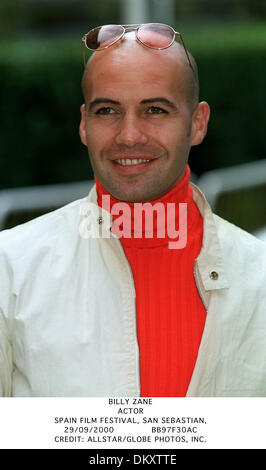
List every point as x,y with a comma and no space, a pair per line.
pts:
82,126
200,119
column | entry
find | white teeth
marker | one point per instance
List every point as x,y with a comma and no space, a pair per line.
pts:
128,161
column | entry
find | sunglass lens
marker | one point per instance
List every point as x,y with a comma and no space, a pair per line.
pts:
104,36
156,35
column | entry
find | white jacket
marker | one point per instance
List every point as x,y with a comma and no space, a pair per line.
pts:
68,317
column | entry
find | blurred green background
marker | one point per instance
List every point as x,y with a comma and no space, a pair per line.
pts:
41,67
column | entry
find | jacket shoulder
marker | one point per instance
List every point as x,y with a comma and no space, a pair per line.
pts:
21,239
240,248
225,228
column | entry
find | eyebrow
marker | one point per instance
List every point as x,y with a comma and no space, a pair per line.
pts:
94,103
159,99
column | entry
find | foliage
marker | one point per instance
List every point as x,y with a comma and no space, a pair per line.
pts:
11,16
232,67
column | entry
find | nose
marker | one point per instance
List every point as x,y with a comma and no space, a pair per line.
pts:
131,131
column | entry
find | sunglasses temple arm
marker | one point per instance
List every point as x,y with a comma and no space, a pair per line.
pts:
185,49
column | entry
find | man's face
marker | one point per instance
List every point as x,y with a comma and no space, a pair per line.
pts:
136,109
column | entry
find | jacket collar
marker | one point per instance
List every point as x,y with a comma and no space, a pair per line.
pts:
210,261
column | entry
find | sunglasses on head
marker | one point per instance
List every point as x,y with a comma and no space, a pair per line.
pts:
154,35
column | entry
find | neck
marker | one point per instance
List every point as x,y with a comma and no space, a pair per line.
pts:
152,223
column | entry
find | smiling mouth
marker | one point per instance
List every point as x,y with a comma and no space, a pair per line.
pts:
131,161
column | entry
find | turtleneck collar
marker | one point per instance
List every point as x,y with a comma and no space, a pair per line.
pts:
150,224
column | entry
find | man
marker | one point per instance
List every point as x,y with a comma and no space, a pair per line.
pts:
98,303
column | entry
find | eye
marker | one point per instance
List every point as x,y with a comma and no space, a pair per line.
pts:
156,110
105,111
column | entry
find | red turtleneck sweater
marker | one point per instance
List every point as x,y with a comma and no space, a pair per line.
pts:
170,313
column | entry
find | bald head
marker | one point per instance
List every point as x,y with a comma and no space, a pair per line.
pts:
129,47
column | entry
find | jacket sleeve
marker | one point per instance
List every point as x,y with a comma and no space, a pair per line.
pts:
6,365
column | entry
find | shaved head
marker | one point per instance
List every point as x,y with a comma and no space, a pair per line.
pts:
128,47
141,104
